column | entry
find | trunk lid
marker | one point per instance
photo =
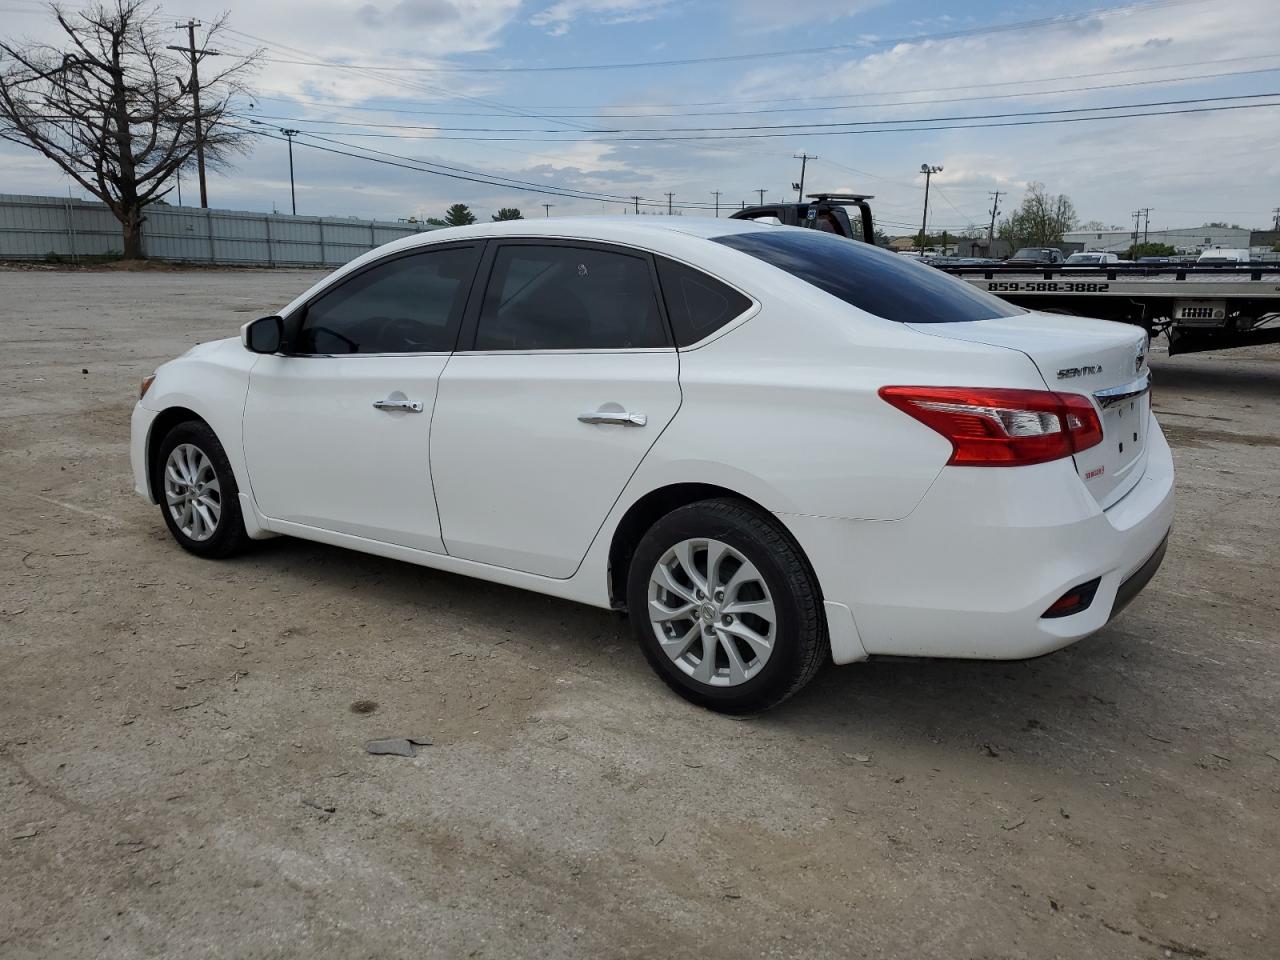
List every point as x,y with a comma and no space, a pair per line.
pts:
1102,360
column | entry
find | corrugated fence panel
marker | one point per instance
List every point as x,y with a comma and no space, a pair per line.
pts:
33,228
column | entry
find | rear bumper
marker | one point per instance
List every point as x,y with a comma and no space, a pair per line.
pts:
972,570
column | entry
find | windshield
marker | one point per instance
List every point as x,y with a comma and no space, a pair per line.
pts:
1031,253
888,285
1084,258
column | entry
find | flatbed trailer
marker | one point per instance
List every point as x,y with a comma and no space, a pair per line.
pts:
1196,307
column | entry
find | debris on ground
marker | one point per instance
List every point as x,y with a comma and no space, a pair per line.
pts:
396,746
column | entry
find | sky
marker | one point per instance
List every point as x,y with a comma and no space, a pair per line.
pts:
511,90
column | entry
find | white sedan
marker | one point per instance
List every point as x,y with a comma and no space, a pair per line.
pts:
772,446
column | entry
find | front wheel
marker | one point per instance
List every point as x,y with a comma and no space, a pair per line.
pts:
198,493
725,607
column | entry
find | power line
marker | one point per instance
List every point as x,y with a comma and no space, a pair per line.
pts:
783,126
794,110
753,131
861,44
457,173
411,84
548,112
491,179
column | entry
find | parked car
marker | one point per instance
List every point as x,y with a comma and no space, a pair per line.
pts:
1092,259
1224,257
1039,255
771,446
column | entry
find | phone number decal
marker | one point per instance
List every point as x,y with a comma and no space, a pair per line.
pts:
1046,286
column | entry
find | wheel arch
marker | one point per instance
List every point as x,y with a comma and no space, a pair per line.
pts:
642,515
169,418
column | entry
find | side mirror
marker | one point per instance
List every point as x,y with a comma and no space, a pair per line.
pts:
264,335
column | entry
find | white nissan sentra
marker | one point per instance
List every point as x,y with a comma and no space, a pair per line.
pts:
772,446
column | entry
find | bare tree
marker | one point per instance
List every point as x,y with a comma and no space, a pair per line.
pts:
1041,220
113,107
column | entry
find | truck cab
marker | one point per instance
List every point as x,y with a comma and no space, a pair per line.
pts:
1037,255
823,211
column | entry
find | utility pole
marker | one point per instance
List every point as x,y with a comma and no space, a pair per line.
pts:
1146,223
716,194
190,51
1276,211
289,135
1137,216
761,191
637,200
804,159
547,207
669,196
995,210
928,171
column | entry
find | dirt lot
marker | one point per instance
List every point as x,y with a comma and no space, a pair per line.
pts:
182,772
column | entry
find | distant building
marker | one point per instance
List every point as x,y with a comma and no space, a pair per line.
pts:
1183,239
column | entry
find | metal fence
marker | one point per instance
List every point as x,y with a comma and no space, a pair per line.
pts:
36,228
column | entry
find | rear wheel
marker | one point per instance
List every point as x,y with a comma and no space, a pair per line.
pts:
725,607
198,494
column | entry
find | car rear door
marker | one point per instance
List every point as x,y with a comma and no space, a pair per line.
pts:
337,428
564,378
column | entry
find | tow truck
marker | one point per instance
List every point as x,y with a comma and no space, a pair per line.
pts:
824,211
1198,307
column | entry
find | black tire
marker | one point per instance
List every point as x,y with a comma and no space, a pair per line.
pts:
800,646
229,536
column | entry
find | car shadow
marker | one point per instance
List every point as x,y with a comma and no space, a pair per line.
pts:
1171,375
1027,708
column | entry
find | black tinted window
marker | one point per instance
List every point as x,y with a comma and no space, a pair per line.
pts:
569,298
874,280
408,305
697,305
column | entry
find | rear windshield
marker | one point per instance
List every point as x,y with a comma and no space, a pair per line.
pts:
885,284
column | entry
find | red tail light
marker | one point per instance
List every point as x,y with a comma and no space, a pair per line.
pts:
991,427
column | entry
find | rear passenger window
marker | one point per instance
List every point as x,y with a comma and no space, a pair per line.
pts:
569,298
697,305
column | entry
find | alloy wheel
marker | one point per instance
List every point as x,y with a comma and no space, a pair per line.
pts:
192,492
712,612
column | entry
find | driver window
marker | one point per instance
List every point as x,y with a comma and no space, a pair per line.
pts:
407,305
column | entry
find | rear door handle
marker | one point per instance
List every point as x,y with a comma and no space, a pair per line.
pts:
412,406
622,419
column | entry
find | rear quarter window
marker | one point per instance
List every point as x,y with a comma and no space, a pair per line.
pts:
698,305
885,284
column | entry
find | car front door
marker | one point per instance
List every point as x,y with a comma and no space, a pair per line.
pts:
564,379
337,427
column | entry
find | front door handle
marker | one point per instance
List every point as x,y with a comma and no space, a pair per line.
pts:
412,406
621,419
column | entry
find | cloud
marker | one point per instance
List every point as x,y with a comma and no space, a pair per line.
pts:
410,13
558,18
775,13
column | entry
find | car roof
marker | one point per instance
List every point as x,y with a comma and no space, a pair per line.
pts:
672,236
618,229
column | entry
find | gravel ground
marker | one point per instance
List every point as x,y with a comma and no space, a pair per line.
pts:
182,769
